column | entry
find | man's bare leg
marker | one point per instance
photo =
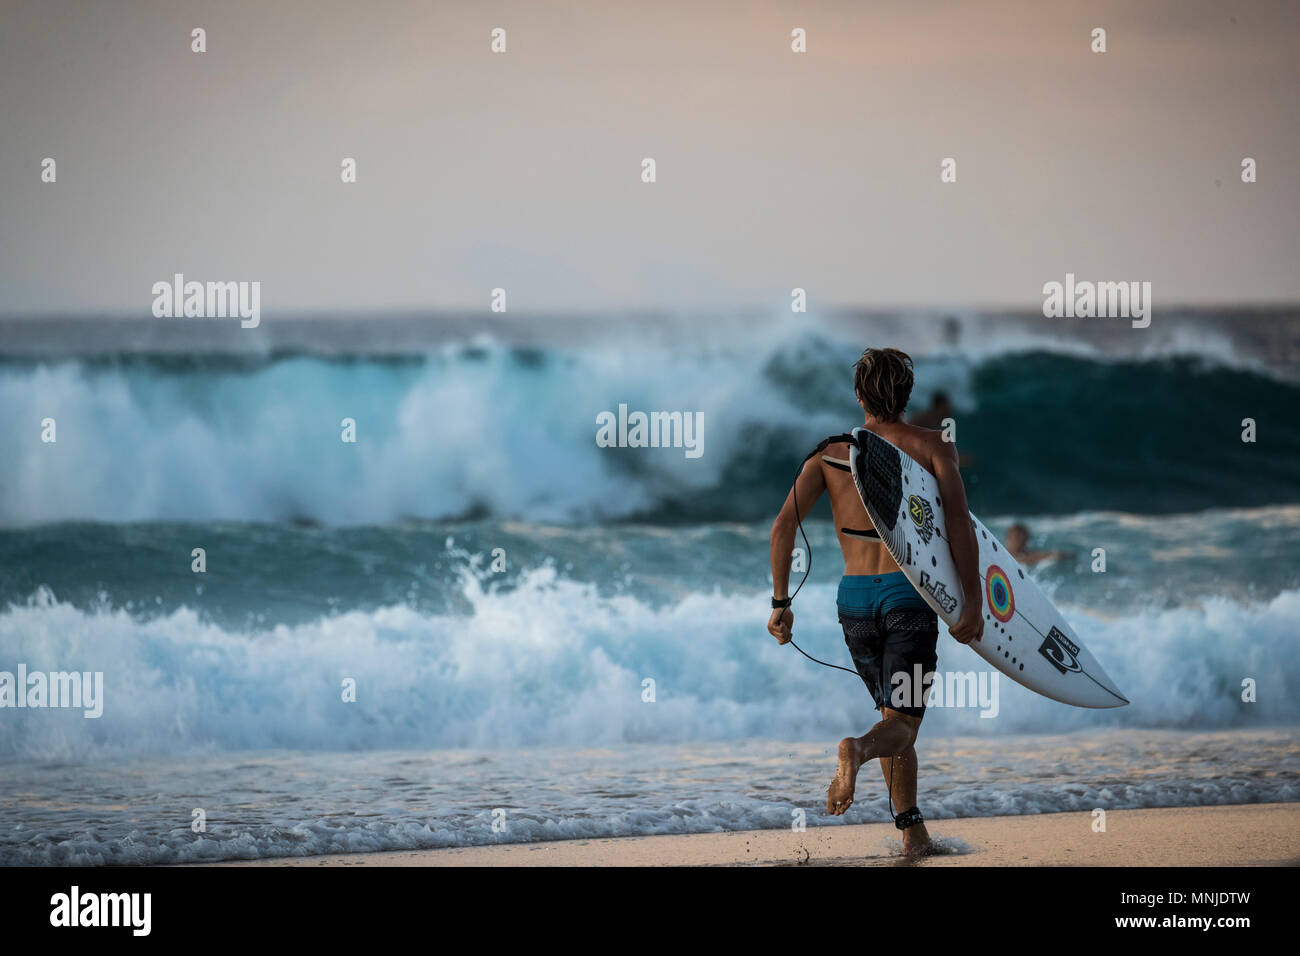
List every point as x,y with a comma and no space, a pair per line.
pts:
900,776
894,734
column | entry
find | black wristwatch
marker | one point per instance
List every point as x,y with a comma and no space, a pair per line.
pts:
780,602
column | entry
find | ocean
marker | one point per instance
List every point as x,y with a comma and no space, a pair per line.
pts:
549,639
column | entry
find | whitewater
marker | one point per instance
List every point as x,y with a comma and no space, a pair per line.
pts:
354,670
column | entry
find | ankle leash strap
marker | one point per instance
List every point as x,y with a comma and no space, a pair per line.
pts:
909,818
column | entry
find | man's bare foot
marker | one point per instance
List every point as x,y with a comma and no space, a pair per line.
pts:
917,842
839,796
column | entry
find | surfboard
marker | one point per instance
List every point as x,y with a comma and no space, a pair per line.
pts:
1025,636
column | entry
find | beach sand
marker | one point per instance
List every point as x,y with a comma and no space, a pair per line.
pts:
1246,835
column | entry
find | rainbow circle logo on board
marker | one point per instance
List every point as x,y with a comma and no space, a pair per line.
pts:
998,588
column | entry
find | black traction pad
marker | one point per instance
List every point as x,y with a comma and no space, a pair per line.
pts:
881,476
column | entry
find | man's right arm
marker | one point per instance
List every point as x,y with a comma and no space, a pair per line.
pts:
808,485
961,539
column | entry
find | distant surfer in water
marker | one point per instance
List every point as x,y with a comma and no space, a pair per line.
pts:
937,416
1017,542
888,628
933,417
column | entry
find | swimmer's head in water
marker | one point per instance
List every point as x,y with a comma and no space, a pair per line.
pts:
882,379
1017,537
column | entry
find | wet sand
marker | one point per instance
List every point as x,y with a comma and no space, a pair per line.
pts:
1247,835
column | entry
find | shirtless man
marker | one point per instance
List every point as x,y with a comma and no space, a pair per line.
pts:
887,626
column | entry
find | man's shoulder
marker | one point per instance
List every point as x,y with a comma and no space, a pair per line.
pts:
926,445
933,437
936,445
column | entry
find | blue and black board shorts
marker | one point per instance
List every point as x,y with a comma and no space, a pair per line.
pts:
889,630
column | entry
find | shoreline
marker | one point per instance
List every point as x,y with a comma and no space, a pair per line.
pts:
1265,834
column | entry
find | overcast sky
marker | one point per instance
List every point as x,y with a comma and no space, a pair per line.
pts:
522,170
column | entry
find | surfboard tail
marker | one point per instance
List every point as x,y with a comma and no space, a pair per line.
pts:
1104,692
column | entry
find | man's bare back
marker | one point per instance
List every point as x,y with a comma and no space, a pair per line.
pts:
861,555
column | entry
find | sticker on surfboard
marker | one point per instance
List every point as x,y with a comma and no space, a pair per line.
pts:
997,589
922,515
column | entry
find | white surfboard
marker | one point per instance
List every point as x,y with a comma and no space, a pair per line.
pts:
1025,636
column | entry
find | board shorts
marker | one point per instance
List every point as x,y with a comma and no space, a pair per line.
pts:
889,630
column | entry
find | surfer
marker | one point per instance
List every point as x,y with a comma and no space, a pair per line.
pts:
933,417
938,416
887,626
1017,541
